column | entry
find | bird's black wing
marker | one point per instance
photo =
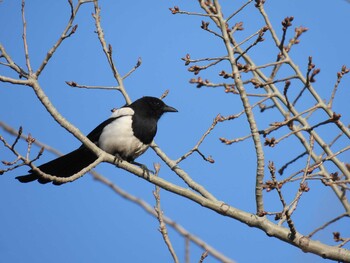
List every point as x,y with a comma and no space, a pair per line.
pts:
95,134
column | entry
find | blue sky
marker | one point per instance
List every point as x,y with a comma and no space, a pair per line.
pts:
85,221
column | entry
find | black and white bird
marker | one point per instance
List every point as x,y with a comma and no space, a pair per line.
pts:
126,134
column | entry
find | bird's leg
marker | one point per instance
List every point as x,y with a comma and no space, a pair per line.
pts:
146,171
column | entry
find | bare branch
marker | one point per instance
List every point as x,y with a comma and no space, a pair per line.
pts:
247,107
108,52
24,37
176,10
11,63
139,62
76,85
303,186
238,10
344,70
63,36
162,225
327,224
203,256
182,174
285,211
195,148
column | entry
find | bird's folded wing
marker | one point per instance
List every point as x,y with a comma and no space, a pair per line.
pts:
94,135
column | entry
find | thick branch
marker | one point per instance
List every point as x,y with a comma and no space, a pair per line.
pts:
247,109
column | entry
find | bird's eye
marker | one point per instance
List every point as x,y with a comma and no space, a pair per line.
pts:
156,103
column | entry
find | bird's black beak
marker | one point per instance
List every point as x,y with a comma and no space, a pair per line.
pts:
167,108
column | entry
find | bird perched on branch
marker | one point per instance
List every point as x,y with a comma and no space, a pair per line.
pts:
126,134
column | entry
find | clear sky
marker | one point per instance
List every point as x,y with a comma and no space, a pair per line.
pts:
85,221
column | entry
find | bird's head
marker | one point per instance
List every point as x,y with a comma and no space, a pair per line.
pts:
152,107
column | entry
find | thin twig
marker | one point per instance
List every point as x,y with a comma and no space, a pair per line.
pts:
63,36
327,224
195,148
205,26
108,52
162,225
246,39
238,10
182,174
277,125
24,37
240,139
188,59
259,39
268,65
11,63
281,170
285,211
187,250
203,256
139,62
76,85
345,241
175,10
303,186
340,75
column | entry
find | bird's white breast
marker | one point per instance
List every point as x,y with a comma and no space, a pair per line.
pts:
118,136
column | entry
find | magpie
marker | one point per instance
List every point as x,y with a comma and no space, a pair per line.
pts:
126,134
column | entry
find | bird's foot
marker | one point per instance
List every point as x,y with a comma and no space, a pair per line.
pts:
146,171
117,158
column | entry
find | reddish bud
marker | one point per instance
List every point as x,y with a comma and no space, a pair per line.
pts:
174,10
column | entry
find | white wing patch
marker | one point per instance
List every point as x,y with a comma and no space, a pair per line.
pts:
118,136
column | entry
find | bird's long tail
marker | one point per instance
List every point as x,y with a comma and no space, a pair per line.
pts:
64,166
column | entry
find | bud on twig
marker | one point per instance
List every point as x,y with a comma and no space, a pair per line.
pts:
174,10
287,22
205,25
